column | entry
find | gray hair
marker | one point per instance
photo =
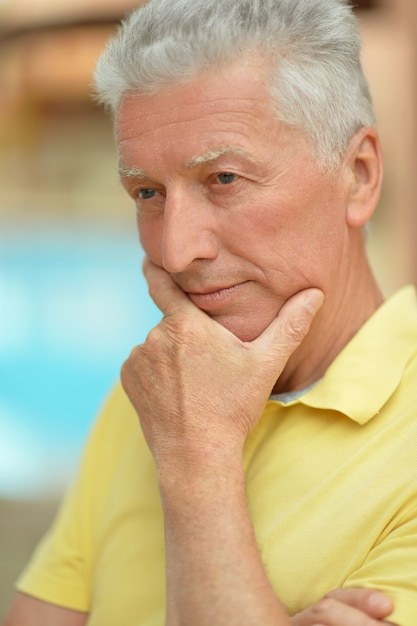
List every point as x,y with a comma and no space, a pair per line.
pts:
312,47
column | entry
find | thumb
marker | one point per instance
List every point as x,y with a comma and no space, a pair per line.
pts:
288,329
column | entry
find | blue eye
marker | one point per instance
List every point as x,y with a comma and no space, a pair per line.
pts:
146,194
225,178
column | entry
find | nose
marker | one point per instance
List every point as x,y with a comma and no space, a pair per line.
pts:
188,231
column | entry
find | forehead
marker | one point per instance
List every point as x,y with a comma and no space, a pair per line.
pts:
214,112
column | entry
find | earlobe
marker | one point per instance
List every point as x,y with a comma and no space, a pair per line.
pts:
366,170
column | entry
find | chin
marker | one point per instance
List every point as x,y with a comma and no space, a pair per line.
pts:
244,329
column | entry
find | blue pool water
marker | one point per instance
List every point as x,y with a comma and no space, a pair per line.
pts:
73,302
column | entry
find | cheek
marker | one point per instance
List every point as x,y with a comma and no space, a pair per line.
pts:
295,241
150,236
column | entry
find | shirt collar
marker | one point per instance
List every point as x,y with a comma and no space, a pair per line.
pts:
369,369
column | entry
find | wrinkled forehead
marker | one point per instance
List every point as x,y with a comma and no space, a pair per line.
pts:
239,84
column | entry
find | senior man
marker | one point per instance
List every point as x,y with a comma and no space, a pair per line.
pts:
277,400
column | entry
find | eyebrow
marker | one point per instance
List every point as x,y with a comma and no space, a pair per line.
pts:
208,157
131,172
213,155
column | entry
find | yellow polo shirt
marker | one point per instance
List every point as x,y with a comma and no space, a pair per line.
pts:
331,483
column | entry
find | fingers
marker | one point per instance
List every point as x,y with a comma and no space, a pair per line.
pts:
347,607
331,612
292,324
375,603
283,335
168,297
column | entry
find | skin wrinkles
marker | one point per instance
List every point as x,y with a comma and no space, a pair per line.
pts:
282,226
208,158
242,112
234,103
244,165
240,124
213,161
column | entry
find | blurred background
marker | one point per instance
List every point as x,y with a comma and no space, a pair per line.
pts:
72,298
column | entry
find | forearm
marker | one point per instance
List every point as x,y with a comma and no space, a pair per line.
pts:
214,571
199,391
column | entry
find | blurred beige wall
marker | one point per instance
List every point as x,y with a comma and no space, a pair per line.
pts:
390,63
16,13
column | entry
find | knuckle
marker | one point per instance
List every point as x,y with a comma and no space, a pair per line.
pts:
125,375
184,331
128,366
153,337
180,324
173,327
186,322
324,606
296,330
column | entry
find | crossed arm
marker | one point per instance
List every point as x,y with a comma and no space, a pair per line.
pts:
215,575
343,607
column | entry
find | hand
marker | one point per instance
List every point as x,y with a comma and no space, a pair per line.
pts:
197,388
347,607
198,391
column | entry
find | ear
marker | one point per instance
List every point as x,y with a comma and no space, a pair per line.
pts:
365,167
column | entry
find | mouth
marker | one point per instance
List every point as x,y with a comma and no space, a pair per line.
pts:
215,297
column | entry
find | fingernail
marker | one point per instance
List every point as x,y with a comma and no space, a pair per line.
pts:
313,300
380,600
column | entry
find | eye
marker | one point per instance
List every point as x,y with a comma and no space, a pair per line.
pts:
146,194
225,178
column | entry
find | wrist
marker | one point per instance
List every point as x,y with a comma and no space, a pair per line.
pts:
202,473
195,459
